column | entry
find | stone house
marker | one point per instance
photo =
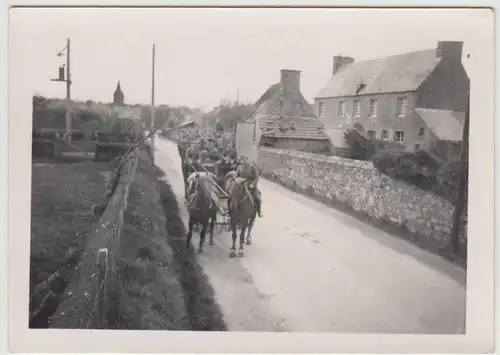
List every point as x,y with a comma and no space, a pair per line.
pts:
283,118
415,98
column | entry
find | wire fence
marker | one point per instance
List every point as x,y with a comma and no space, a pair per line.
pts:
88,301
105,261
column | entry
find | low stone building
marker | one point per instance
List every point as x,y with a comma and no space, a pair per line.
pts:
338,144
284,119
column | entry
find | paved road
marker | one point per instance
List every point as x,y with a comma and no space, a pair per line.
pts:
314,269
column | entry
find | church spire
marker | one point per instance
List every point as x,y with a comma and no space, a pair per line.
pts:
118,97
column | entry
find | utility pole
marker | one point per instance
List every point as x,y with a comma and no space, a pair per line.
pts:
68,86
153,105
69,127
462,183
237,97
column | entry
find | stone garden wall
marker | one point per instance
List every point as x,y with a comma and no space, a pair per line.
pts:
360,186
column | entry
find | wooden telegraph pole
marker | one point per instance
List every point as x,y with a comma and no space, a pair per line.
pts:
153,106
67,80
460,202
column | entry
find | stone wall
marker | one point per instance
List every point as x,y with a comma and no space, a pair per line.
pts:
360,186
303,145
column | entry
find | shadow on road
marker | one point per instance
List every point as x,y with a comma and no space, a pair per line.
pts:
204,312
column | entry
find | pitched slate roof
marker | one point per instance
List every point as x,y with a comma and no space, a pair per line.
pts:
398,73
445,124
291,127
262,105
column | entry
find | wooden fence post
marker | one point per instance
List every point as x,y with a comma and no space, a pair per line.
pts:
102,266
462,185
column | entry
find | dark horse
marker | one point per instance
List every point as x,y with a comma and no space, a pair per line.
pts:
242,211
201,207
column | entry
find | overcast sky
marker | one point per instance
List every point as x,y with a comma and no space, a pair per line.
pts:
205,55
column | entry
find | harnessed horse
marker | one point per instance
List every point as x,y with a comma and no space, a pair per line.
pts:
201,206
242,210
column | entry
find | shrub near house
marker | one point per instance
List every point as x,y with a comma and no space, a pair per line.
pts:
363,148
419,168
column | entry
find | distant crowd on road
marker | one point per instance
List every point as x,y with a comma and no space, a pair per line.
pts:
199,148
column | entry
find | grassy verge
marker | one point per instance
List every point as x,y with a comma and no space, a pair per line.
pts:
146,293
391,228
203,311
61,213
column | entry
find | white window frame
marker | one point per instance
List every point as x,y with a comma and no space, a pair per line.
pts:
321,108
396,136
356,108
373,108
402,106
382,135
341,109
374,134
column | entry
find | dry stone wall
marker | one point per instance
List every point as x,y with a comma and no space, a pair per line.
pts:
359,185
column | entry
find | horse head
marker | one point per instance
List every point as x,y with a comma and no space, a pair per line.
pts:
238,191
229,180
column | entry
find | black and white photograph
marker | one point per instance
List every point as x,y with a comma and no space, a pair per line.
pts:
255,170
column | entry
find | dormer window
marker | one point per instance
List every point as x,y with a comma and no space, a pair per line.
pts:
360,87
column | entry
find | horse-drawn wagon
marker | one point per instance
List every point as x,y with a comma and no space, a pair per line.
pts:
218,171
208,204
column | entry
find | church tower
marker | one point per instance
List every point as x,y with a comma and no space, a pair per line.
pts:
118,97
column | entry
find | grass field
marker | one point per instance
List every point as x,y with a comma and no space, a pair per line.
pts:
155,283
61,212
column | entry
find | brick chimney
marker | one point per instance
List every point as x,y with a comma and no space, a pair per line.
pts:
290,80
339,61
449,50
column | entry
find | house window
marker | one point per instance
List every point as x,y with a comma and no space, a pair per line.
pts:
282,102
341,109
421,131
402,109
399,136
356,109
321,109
373,108
385,135
370,134
417,146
